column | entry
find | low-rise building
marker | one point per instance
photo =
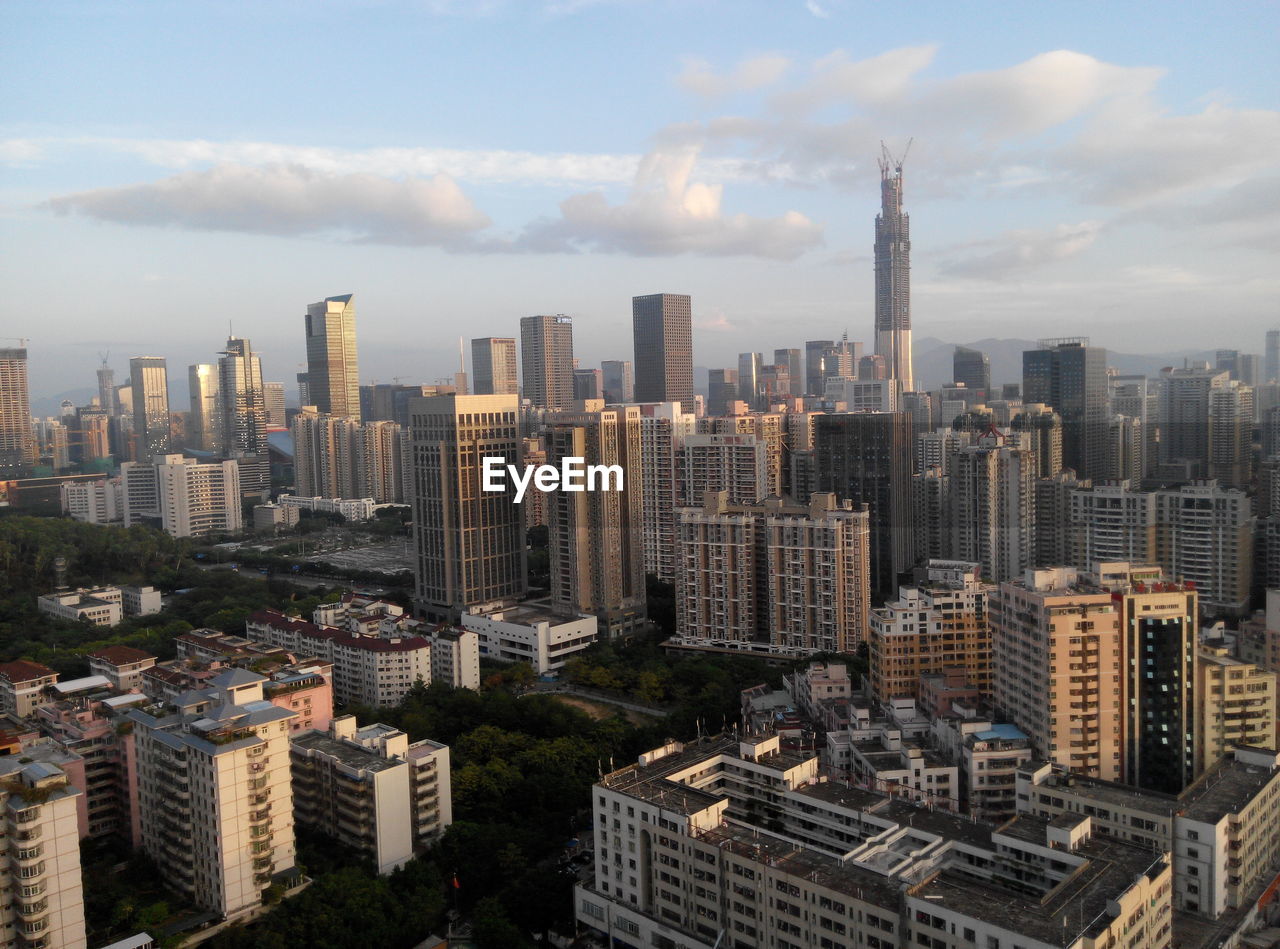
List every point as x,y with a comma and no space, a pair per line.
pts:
98,607
530,633
42,903
22,685
273,517
353,509
122,666
1221,829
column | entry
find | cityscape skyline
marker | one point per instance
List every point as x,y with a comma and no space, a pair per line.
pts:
1027,216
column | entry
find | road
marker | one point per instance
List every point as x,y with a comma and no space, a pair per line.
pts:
559,688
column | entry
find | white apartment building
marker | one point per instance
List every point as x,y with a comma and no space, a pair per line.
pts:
94,502
353,509
455,658
100,607
738,464
1116,523
737,843
122,666
372,789
1205,535
42,903
187,498
530,633
369,669
1221,830
214,791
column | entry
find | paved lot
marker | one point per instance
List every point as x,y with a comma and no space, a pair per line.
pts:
389,557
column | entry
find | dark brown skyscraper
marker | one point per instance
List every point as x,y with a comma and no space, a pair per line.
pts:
663,327
866,458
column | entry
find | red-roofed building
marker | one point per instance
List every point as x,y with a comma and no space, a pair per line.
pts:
21,685
122,666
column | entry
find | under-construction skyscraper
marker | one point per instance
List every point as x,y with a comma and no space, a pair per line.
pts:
893,273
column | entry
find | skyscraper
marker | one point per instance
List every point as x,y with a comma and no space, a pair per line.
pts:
749,366
470,542
893,274
1273,356
204,424
973,368
814,351
866,458
791,358
546,360
150,380
493,366
332,375
1071,376
618,384
662,325
17,443
244,400
722,388
107,390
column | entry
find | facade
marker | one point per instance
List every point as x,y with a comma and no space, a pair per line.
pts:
789,578
455,658
664,427
244,400
22,684
1070,376
493,366
214,792
993,506
186,498
333,378
1115,523
724,842
352,509
940,625
738,464
893,276
122,666
769,428
1235,705
866,458
150,382
470,542
1205,535
663,331
99,607
972,367
814,354
360,786
546,360
43,905
275,404
619,385
1041,428
722,391
531,633
337,457
1057,671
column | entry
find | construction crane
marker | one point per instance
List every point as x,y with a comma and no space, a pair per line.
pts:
20,340
888,162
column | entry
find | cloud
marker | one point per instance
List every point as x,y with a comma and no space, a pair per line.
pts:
880,78
748,76
667,213
715,320
289,200
813,7
1018,251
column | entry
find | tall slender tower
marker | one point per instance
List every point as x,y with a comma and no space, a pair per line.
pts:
332,376
150,378
893,272
17,445
243,399
107,389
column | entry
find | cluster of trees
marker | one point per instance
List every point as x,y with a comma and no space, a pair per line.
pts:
94,554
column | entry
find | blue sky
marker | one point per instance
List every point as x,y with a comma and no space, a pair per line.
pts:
170,169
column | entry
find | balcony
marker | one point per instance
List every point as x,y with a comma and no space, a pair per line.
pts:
32,909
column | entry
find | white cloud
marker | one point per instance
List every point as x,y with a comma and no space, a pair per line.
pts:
290,200
1012,254
668,213
879,78
813,7
748,76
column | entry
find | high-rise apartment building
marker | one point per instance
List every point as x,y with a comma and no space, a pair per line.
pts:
866,458
893,275
662,325
470,542
1231,416
663,429
619,386
1114,523
937,626
1070,376
769,428
205,430
993,507
546,359
1057,669
1235,705
788,578
43,904
1042,428
737,464
972,367
595,536
214,791
1204,534
150,381
493,366
333,378
17,442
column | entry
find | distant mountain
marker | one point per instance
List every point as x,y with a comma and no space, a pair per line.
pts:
51,405
932,358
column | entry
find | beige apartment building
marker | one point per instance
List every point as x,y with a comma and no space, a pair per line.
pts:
41,891
366,788
769,429
214,791
664,426
938,625
1235,705
737,843
1057,674
22,685
792,577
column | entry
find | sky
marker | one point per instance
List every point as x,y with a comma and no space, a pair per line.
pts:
171,172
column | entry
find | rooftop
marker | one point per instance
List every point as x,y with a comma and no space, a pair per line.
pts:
120,655
349,753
